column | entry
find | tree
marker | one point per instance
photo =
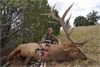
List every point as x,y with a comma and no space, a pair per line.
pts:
6,20
21,21
11,12
93,17
80,21
38,24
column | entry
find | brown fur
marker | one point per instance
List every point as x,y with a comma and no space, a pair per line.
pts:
57,52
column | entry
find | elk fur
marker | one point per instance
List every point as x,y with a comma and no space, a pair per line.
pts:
57,53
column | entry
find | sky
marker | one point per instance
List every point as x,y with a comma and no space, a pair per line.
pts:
80,7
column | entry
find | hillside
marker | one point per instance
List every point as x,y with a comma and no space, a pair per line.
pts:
91,49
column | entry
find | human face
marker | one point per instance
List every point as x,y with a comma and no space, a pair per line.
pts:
50,31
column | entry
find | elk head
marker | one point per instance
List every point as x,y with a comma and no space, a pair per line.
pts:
73,50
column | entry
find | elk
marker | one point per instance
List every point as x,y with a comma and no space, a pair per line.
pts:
57,52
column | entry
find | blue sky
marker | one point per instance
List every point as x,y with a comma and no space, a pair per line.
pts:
80,7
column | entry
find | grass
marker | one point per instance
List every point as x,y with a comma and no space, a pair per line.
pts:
91,49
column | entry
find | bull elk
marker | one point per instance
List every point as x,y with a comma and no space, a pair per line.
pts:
59,52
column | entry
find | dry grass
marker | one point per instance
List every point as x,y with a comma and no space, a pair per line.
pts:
91,49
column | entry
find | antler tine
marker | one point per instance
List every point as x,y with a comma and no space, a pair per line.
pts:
52,14
68,20
67,23
71,31
75,42
53,7
65,13
84,42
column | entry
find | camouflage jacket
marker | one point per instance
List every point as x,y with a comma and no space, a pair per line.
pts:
50,37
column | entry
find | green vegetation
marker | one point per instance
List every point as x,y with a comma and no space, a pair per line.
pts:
90,19
21,21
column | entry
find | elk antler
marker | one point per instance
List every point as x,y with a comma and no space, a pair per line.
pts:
63,24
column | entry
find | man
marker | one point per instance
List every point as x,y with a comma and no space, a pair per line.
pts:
50,37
